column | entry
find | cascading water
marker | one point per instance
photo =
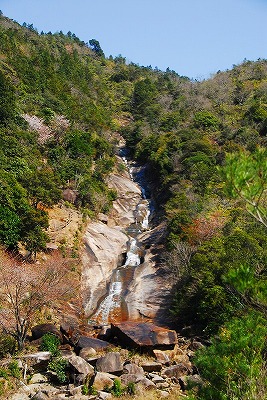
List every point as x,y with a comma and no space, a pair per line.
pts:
113,306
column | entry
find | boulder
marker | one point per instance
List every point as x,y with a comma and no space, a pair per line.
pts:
87,352
128,378
111,362
104,395
38,361
38,378
188,382
40,396
81,366
161,357
131,368
177,370
102,380
152,366
40,330
97,344
147,383
143,335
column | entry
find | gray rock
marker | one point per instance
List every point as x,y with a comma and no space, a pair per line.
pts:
81,366
40,396
111,362
127,378
177,370
133,369
152,366
104,396
38,378
97,344
190,381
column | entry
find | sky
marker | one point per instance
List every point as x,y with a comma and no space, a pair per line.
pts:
195,38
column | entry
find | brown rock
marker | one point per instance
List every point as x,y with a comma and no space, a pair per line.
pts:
111,362
87,353
147,384
40,396
152,366
161,357
144,335
102,380
40,330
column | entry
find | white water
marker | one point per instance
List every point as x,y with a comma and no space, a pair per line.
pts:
132,257
112,301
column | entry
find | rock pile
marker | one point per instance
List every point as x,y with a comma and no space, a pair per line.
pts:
96,367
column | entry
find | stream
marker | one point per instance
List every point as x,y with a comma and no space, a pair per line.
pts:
113,306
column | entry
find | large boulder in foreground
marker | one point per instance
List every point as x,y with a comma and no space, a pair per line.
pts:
144,335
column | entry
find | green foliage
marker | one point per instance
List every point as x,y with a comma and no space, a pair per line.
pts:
144,93
131,388
206,120
59,365
50,343
245,177
96,47
14,370
234,365
7,345
117,389
7,100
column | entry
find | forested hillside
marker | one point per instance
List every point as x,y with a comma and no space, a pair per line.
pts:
61,104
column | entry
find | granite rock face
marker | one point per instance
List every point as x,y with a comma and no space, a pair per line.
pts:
103,245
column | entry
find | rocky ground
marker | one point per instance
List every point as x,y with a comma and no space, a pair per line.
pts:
157,361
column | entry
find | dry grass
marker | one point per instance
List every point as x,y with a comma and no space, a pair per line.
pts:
154,395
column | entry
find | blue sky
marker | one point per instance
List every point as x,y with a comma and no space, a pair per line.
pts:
193,37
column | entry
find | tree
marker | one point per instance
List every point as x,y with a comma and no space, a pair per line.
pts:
234,363
96,47
7,99
245,176
24,290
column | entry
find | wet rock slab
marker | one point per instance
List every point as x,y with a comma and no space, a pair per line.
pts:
143,335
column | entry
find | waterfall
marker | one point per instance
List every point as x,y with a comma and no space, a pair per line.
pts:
113,306
132,257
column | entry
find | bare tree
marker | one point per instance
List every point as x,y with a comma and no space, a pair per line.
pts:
178,260
25,289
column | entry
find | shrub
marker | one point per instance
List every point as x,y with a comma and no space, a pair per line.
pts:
59,365
7,345
50,342
14,369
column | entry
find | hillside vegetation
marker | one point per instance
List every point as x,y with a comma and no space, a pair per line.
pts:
61,104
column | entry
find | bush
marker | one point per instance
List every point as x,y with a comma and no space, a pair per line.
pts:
14,369
7,345
50,342
59,365
234,365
